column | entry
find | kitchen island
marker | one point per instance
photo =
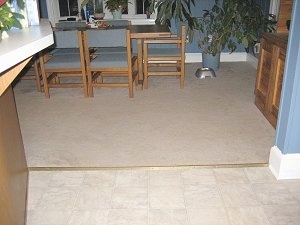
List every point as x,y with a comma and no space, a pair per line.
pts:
15,53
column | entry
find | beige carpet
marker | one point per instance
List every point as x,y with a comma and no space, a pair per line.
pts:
209,122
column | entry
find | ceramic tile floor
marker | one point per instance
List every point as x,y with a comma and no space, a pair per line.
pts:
168,196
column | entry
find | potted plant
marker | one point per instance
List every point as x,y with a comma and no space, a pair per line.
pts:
269,26
179,10
214,34
85,9
226,25
92,6
149,8
98,9
9,19
116,7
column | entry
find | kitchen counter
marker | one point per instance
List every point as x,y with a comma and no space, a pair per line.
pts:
20,45
15,52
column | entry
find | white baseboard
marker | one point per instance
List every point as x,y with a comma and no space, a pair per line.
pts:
225,57
252,60
284,166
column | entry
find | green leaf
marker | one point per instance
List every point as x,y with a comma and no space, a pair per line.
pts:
245,42
9,19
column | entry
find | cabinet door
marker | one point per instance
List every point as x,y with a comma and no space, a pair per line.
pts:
275,91
13,167
263,75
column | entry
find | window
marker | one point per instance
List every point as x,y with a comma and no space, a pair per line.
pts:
60,9
136,9
68,7
274,7
142,6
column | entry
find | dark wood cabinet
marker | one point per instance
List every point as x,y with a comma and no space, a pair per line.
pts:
270,74
284,14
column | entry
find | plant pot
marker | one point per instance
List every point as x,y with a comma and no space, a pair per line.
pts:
117,14
99,16
3,35
211,61
253,49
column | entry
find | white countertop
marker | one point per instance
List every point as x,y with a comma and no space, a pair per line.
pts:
24,43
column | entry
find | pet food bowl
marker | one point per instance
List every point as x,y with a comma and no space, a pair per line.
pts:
205,72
